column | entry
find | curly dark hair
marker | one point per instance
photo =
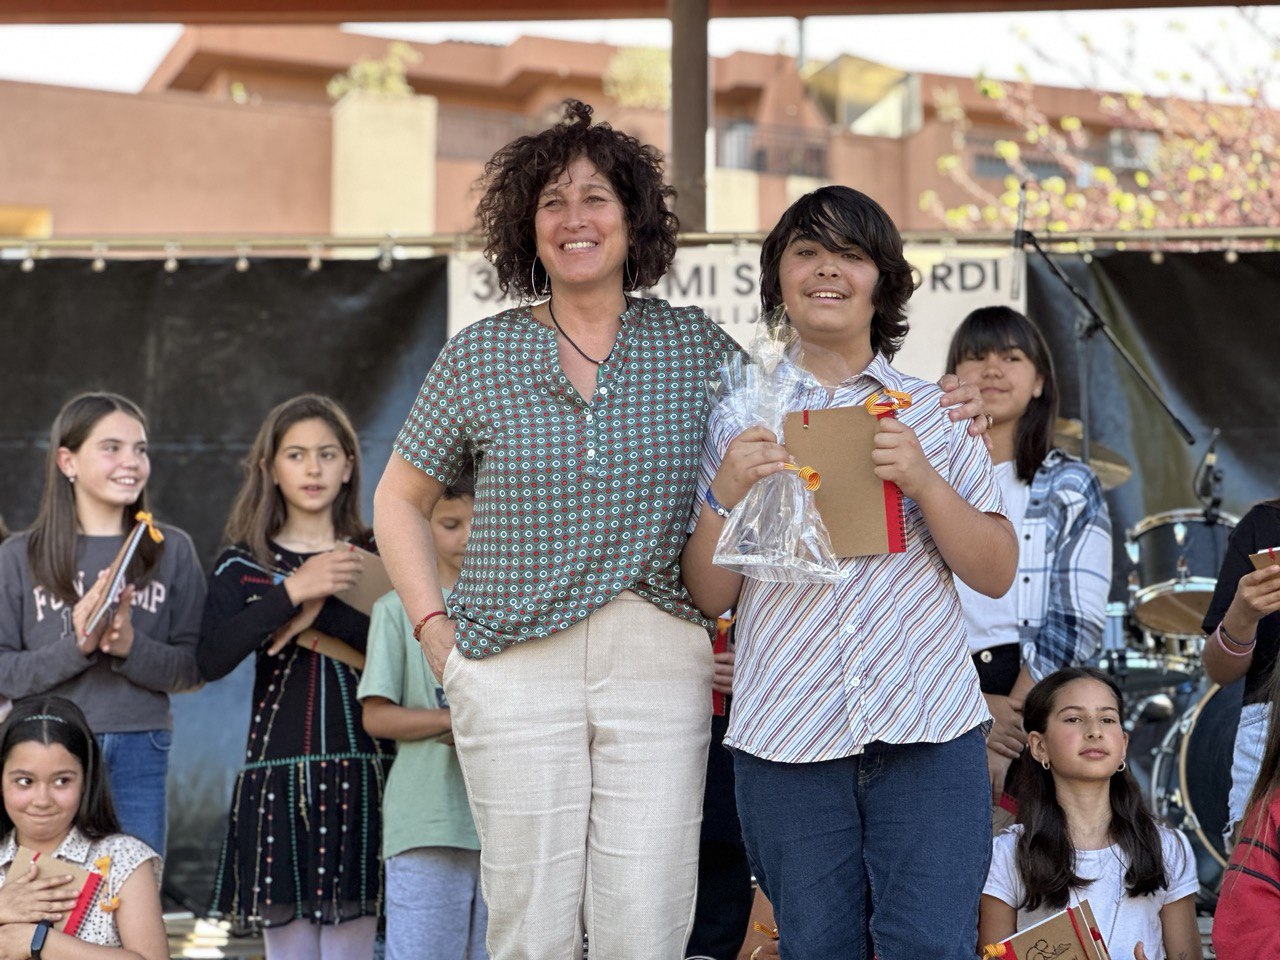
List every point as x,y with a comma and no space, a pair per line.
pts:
515,176
839,218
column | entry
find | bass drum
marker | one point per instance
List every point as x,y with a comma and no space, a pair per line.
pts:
1191,778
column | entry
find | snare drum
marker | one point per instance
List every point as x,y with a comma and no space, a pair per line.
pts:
1177,555
1134,662
1191,778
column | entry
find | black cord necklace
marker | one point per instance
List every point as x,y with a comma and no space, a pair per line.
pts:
574,345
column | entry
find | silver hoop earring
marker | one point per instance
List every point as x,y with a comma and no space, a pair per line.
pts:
1045,764
631,280
1120,769
533,281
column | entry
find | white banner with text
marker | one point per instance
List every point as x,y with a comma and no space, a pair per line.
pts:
724,280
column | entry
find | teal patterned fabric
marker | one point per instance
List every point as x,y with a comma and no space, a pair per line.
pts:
576,500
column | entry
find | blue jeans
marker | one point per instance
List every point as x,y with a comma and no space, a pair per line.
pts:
882,855
137,764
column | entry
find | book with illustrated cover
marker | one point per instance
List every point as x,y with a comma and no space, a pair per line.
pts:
1072,934
862,513
87,882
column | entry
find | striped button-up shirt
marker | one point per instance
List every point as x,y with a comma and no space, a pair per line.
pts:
824,670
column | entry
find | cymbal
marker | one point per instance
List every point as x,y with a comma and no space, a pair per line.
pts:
1112,469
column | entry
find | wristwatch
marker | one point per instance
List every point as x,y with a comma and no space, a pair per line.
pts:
37,938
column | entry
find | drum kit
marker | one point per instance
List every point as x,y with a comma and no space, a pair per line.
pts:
1181,725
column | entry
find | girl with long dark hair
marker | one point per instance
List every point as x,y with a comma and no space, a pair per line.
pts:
1084,834
96,475
1054,615
301,855
57,804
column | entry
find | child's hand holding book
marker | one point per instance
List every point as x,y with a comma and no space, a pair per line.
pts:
29,897
111,634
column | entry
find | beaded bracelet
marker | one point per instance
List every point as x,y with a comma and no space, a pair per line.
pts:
417,629
1224,638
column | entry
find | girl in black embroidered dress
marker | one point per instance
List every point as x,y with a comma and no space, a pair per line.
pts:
303,839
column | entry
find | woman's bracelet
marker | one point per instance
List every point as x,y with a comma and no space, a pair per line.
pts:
417,629
1224,637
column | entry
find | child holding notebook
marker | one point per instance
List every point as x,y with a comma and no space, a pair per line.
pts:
51,577
857,724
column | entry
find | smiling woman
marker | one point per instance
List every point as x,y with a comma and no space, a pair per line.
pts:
570,637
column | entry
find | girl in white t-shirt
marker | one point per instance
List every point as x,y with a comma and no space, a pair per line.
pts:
1083,833
1054,614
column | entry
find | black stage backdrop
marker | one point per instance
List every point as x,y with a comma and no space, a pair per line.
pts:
1207,332
208,349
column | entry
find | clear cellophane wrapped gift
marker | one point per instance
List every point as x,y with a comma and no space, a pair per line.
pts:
774,533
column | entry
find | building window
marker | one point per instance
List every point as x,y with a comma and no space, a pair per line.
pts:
790,151
470,134
1132,149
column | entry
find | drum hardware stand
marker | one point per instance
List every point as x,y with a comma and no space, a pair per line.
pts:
1091,322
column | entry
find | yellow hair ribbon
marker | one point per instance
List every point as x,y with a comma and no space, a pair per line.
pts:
887,402
142,516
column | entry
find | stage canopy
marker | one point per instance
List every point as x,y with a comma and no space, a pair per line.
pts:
331,11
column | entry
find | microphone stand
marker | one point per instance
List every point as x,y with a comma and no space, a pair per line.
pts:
1089,323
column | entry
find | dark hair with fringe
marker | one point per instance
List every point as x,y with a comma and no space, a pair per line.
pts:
997,329
516,175
29,723
839,218
1045,856
51,542
259,511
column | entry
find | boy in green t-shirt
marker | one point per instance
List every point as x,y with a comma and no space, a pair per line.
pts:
435,910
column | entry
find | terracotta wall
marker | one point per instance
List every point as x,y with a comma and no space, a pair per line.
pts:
108,163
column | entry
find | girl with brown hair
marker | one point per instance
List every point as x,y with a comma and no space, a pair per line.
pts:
301,854
51,577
